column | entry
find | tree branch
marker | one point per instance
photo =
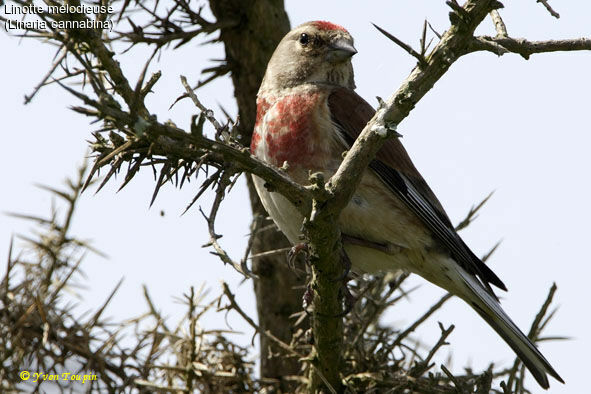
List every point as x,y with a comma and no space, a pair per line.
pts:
499,24
453,44
526,48
322,230
330,199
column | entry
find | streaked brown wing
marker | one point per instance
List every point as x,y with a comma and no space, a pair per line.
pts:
350,112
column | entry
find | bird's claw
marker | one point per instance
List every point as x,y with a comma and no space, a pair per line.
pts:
295,251
349,299
346,263
307,298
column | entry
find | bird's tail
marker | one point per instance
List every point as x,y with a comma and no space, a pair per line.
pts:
490,310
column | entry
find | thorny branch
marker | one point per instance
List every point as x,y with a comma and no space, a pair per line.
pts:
187,359
40,332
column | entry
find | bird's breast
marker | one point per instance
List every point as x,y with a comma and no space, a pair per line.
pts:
295,127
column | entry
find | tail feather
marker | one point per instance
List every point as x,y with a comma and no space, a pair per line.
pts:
490,310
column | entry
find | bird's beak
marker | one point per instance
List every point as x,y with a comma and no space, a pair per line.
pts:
340,50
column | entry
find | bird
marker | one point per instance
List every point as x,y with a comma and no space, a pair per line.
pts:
308,115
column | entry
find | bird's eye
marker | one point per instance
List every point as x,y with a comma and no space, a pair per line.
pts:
304,39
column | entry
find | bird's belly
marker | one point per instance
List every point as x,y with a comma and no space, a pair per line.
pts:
284,214
376,214
366,260
373,214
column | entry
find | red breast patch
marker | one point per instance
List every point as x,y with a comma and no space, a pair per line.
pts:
288,128
262,107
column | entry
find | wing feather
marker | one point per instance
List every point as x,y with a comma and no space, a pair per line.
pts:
393,166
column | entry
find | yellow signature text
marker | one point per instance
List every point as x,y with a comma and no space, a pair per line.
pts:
66,376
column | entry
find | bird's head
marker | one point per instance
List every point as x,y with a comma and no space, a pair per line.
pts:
315,52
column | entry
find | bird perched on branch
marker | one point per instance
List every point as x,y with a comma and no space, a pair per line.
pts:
308,114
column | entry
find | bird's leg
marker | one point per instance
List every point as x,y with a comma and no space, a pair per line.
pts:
307,298
346,264
348,298
295,251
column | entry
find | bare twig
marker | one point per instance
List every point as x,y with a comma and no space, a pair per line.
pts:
251,322
420,320
549,8
208,112
534,332
58,61
434,31
222,184
255,227
268,334
401,44
271,252
525,47
425,365
473,213
490,252
484,44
